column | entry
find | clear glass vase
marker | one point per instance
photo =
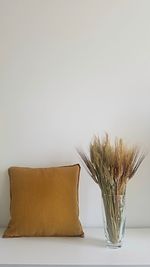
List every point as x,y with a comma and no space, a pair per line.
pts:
114,219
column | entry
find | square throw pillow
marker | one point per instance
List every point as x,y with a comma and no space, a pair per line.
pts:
44,202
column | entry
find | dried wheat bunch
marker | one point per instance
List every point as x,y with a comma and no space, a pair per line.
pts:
111,166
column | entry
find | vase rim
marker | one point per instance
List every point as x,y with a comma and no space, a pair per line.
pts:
113,194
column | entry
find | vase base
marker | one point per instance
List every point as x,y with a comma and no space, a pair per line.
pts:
114,245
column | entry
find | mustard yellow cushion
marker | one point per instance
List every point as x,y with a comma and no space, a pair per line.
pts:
44,202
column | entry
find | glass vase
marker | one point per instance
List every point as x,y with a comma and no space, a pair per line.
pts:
114,219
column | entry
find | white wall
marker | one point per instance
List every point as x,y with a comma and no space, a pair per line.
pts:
69,69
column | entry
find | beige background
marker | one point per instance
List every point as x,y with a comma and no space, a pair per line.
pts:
69,69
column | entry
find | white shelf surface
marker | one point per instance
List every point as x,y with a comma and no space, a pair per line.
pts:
90,250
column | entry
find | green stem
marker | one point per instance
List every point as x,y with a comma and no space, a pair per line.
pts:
113,208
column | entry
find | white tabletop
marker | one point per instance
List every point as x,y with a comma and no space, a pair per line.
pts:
90,250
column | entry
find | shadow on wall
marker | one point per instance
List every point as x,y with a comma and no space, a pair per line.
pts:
4,198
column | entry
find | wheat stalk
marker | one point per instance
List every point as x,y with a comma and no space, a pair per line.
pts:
111,166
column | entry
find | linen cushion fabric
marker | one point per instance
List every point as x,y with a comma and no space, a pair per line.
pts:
44,202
